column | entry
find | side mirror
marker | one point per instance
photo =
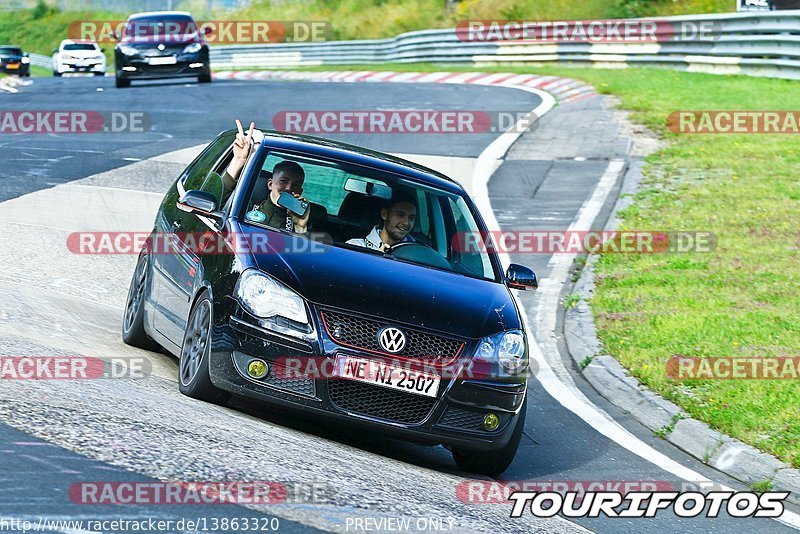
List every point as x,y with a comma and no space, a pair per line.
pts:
115,35
200,203
103,50
520,277
207,30
55,50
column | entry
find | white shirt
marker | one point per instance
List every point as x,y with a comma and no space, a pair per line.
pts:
373,240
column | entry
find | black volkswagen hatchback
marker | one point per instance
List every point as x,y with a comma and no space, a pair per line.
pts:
422,341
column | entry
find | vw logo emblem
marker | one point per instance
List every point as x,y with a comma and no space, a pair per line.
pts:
391,339
161,46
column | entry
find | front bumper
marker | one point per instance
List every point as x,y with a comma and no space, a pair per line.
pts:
454,418
15,68
64,68
140,68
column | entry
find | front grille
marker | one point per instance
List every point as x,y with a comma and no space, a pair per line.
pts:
362,334
155,52
380,402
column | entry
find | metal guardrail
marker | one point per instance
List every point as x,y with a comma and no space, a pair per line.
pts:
38,60
757,44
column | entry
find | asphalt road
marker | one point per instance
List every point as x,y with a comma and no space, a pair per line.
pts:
143,429
187,114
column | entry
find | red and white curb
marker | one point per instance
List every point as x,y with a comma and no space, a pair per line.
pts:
563,89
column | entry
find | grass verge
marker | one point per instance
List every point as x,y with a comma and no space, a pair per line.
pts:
41,32
374,19
739,300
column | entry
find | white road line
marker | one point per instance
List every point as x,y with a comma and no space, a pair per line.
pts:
552,373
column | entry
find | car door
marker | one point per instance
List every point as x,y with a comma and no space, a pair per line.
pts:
178,266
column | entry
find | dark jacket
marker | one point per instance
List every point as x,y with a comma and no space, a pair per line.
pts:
275,216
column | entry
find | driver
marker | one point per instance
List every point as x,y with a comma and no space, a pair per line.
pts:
286,176
398,218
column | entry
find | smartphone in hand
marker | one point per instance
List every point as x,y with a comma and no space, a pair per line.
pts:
295,205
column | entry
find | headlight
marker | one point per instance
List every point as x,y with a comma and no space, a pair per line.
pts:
506,349
192,48
128,50
264,297
26,60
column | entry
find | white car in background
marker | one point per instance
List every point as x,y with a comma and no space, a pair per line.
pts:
78,56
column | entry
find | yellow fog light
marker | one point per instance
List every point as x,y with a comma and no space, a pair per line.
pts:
491,422
257,368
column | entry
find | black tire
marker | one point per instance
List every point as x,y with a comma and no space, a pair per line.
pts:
133,332
121,84
99,73
57,74
193,377
495,462
204,78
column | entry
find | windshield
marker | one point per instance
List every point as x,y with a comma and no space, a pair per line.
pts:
175,26
372,212
80,46
10,50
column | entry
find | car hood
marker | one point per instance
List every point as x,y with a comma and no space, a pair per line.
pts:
394,290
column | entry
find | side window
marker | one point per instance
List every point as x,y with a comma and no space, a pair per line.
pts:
195,175
474,261
199,175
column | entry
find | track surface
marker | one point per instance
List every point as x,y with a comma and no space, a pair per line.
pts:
54,303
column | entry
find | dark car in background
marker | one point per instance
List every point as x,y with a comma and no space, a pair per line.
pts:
14,61
161,44
419,314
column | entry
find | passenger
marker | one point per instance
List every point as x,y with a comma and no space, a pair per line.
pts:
286,176
399,217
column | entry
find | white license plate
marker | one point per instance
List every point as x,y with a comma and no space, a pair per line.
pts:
168,60
389,376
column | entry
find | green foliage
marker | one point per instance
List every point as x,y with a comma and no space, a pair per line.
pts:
41,29
41,10
761,486
570,301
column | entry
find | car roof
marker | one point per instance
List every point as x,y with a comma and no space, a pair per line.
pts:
78,41
159,14
355,154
